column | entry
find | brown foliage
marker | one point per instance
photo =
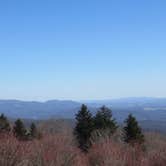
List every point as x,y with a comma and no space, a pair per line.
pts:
51,150
60,150
108,152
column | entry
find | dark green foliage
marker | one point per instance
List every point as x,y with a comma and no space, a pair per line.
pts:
33,131
20,130
4,124
84,128
104,121
132,131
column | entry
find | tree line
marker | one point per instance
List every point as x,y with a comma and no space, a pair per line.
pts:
103,122
18,129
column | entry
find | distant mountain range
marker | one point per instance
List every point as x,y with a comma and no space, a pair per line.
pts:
150,112
143,108
38,110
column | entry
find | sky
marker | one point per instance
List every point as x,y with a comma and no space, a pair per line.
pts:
82,49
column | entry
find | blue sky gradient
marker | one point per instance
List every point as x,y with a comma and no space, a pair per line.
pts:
91,49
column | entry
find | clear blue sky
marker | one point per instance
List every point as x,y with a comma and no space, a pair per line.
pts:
82,49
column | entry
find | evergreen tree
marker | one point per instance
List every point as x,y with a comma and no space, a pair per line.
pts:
19,129
132,131
84,128
103,121
4,124
33,131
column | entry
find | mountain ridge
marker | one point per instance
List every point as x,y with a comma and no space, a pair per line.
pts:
145,108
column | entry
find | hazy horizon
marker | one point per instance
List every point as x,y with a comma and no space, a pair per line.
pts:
82,50
81,100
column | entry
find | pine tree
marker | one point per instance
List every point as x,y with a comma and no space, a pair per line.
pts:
103,121
33,131
4,124
132,131
19,129
84,128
